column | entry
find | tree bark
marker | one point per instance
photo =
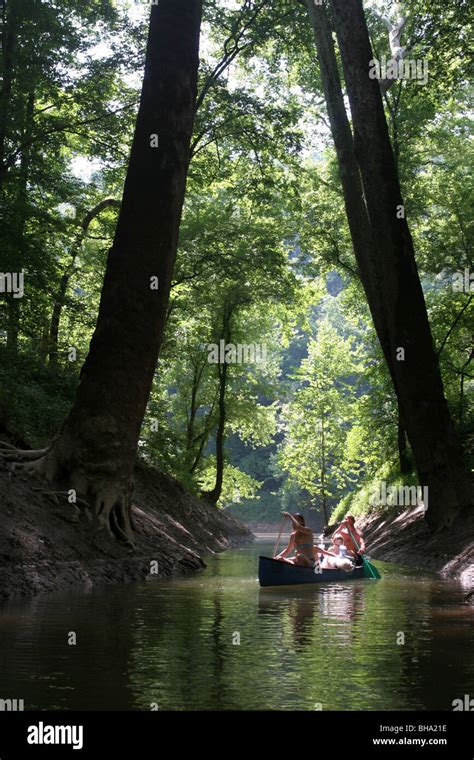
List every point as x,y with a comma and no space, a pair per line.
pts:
403,455
436,450
9,40
96,450
356,211
364,245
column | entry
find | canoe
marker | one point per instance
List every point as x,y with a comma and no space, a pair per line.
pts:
274,572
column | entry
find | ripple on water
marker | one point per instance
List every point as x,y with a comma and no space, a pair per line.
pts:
217,641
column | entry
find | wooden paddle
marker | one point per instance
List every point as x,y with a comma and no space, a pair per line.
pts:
369,570
278,539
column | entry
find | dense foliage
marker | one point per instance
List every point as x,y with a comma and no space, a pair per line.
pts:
265,261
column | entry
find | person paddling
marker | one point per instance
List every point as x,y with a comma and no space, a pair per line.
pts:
302,542
353,540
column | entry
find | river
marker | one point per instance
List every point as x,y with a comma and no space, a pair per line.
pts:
217,641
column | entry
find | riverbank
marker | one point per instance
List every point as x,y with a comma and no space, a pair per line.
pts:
42,549
402,536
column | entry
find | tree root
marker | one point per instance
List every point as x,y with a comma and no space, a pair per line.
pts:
113,512
11,454
33,468
103,497
5,445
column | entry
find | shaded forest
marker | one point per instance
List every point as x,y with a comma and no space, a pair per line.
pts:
230,250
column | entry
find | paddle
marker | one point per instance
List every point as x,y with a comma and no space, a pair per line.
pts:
278,539
369,570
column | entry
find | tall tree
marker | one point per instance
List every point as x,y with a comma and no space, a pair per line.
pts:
436,450
364,244
96,449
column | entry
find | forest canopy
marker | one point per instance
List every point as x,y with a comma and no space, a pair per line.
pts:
279,381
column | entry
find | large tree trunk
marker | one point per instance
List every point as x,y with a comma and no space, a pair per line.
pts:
96,450
10,19
368,262
403,455
436,450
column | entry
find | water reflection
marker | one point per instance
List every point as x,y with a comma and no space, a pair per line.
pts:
332,602
217,641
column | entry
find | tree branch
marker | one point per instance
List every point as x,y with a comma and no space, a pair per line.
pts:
453,326
229,55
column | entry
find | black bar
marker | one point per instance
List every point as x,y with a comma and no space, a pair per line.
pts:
160,733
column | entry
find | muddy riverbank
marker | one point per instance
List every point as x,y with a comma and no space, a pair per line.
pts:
43,548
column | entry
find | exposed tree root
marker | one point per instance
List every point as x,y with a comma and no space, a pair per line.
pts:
112,510
76,504
98,495
5,445
23,455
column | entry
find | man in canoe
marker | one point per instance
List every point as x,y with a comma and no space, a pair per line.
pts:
301,541
353,540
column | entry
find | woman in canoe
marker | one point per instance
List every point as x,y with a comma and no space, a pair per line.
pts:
301,541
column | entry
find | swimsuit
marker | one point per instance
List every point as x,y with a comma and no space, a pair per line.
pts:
305,546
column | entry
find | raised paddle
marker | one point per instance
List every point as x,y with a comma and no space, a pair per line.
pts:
369,570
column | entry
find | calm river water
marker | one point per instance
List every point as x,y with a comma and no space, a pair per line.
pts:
175,644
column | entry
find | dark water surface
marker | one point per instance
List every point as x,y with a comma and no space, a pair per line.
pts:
172,644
